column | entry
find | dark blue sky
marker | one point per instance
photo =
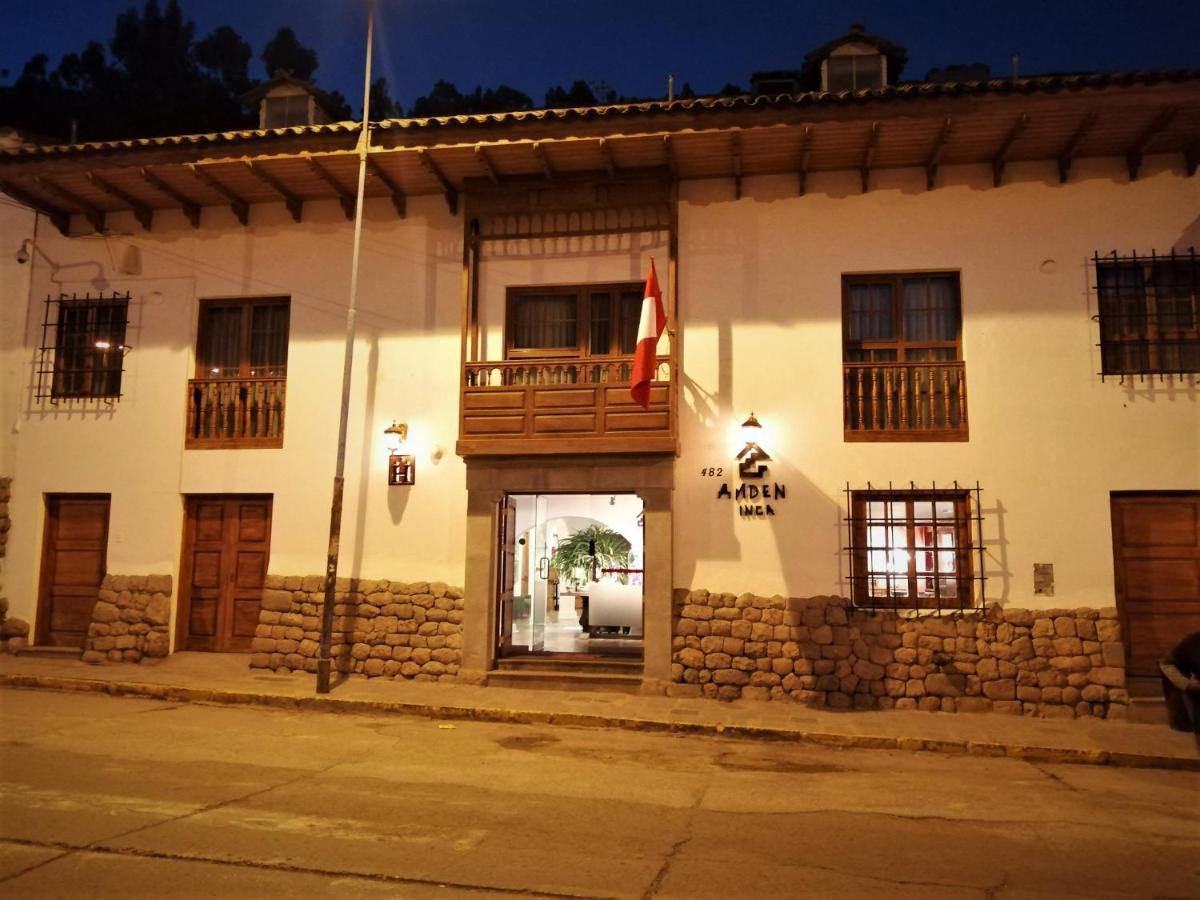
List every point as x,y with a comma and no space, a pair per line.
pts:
633,44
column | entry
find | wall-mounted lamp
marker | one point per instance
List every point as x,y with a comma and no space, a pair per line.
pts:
402,467
752,457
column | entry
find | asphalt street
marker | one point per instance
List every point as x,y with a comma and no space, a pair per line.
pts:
103,797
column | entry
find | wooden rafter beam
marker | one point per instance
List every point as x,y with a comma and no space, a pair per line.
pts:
237,203
1000,159
91,212
1133,154
1071,147
59,217
294,204
399,200
1191,157
935,153
190,207
344,195
735,150
448,189
540,155
606,154
485,163
805,154
869,156
669,155
143,213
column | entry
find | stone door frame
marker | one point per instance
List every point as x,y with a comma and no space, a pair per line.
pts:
650,477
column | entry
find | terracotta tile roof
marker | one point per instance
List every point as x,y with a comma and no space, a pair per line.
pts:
1048,84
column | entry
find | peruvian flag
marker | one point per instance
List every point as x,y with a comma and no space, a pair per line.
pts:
650,329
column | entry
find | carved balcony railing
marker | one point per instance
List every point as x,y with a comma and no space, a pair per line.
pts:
564,406
911,401
235,412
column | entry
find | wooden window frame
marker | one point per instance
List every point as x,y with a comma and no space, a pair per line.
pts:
861,573
895,280
247,306
584,294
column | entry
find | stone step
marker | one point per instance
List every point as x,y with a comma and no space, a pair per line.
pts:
1148,710
566,681
575,664
47,652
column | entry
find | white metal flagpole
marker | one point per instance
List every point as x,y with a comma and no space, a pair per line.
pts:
324,663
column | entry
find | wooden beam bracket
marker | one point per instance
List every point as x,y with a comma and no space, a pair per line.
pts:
1000,160
1067,154
59,217
935,154
736,152
540,155
805,154
869,156
1133,155
294,204
1191,157
610,165
143,213
399,200
450,191
486,164
237,203
190,207
669,156
91,212
344,195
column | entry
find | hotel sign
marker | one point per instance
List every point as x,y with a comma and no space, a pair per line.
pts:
755,496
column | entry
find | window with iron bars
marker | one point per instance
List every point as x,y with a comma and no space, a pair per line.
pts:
915,548
1149,314
83,347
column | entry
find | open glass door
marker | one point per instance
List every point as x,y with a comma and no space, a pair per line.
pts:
572,570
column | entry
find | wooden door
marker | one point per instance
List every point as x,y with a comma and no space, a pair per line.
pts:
74,552
226,547
506,569
1156,546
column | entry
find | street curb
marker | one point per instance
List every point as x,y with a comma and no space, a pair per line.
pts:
175,693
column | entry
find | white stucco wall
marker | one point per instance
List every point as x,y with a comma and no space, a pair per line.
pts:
761,300
760,306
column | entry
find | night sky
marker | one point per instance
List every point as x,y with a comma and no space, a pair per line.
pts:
633,44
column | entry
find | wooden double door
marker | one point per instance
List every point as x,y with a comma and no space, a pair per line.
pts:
226,548
1156,547
74,554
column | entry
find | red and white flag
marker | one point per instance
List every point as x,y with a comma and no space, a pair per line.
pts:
650,329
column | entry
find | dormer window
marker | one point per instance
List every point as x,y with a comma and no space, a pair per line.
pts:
290,109
854,67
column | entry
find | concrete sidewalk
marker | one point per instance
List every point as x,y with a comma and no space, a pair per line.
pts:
227,679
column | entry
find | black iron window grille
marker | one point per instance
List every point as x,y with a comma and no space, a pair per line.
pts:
1149,314
915,548
83,350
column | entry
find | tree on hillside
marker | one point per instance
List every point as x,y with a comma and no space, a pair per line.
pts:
226,57
444,99
382,104
284,51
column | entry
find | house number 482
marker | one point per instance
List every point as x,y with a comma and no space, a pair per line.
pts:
712,472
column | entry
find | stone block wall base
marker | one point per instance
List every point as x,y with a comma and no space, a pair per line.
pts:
381,629
822,651
130,620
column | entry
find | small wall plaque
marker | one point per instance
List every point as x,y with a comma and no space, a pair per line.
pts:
402,469
1043,579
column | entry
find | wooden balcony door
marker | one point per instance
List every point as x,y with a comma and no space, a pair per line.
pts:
1156,543
74,555
226,548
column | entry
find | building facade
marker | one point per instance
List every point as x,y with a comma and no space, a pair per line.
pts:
924,429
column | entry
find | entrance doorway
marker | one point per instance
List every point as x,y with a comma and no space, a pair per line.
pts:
74,555
1156,545
571,575
226,548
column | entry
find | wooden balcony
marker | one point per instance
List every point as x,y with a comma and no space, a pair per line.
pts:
911,401
227,413
563,406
